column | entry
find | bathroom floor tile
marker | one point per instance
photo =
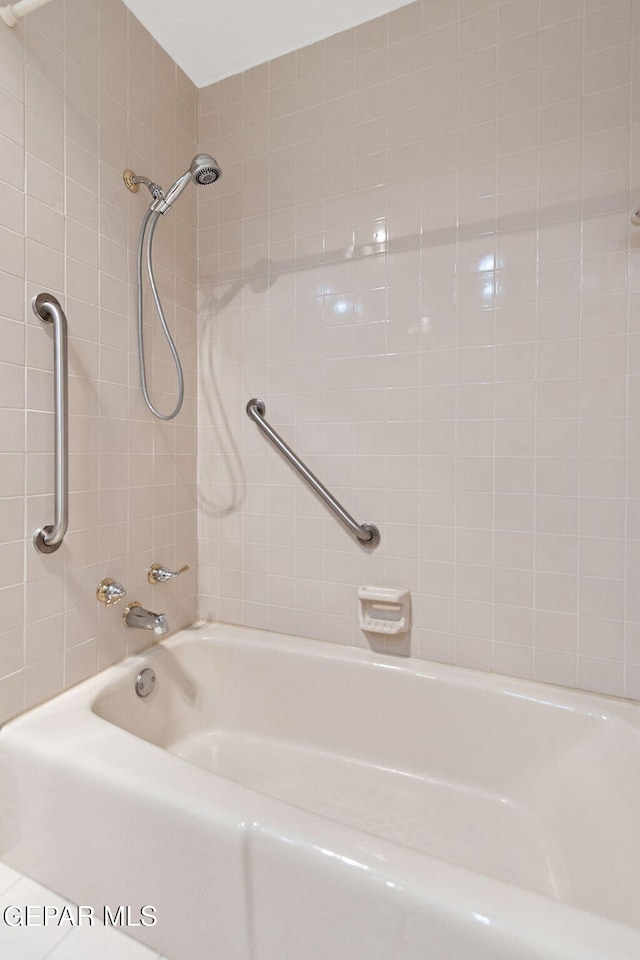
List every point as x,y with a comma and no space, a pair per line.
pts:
8,876
53,942
28,942
99,943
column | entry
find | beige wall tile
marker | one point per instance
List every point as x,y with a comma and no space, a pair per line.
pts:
433,306
84,259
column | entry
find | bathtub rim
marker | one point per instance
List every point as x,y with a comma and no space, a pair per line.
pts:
558,695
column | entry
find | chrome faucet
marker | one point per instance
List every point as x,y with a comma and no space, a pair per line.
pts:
135,615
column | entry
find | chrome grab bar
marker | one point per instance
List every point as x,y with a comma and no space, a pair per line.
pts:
367,533
47,539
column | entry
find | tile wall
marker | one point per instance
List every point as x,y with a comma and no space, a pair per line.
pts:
420,257
85,92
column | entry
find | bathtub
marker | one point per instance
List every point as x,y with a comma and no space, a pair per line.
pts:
276,798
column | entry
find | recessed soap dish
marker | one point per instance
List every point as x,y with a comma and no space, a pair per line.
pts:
384,610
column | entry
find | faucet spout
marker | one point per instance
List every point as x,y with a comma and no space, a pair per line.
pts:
135,615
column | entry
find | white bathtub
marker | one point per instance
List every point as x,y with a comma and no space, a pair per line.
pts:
283,799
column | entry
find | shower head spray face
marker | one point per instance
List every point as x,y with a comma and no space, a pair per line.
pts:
205,169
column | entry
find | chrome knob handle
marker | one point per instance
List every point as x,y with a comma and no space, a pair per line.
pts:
109,591
160,574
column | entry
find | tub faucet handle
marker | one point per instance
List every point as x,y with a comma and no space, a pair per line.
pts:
109,591
160,574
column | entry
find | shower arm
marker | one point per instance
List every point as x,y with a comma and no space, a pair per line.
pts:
133,181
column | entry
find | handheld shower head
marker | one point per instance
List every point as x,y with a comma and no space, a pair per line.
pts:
203,170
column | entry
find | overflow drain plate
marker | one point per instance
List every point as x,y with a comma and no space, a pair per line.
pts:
145,682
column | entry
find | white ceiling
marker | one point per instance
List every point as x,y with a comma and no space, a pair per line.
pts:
211,41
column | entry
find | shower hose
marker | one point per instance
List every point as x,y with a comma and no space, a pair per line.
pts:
150,219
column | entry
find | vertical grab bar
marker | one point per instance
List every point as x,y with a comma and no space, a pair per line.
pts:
48,539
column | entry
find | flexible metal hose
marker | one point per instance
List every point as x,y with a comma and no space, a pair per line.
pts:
151,219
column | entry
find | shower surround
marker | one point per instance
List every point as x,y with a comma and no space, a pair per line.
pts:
419,257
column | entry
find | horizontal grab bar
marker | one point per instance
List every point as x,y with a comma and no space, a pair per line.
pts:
48,539
367,533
